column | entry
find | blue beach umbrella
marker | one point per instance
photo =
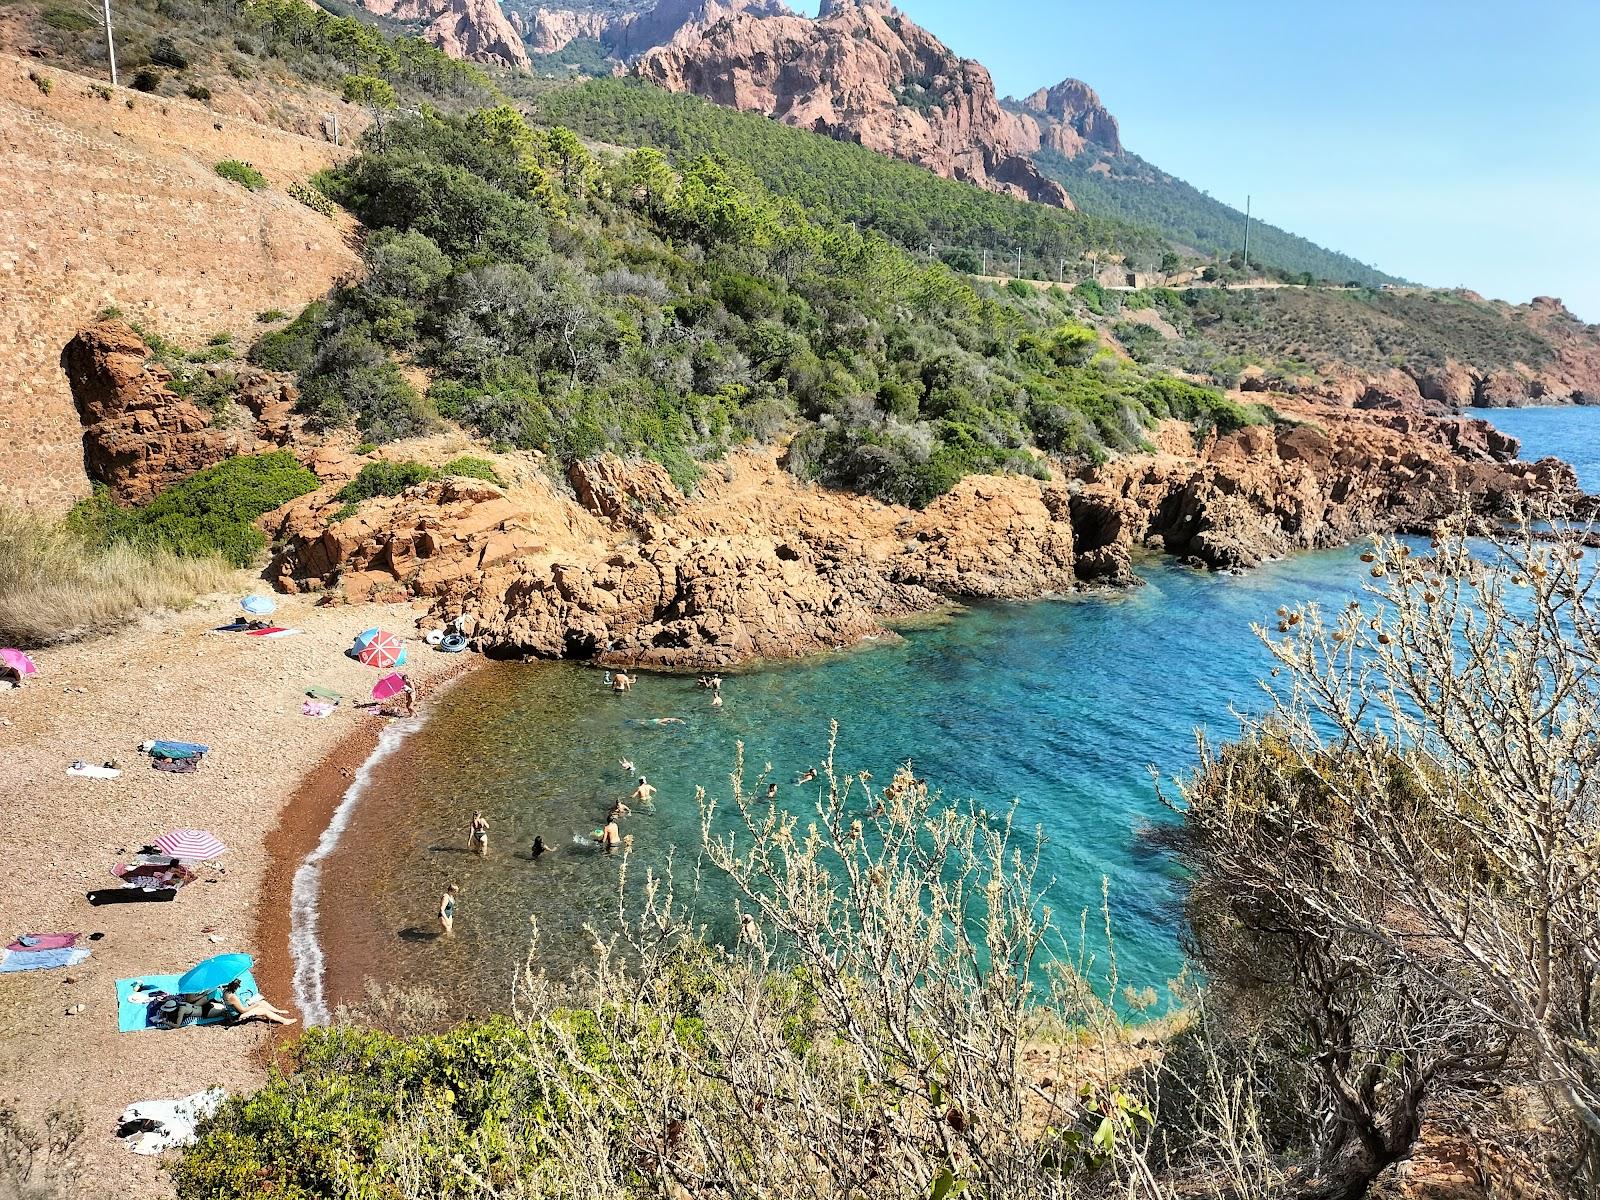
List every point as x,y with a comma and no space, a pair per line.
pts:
258,606
214,973
363,638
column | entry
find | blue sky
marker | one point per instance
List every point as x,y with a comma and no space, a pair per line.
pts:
1452,143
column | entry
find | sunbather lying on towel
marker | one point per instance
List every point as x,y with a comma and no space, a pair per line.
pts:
255,1009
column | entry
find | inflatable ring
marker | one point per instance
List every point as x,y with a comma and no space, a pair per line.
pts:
453,644
435,636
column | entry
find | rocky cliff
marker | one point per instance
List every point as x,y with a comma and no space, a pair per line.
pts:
1069,117
758,564
862,72
477,30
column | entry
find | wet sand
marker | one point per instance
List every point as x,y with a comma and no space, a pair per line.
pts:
266,789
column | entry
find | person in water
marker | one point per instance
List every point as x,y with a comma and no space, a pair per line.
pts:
772,791
620,682
645,793
807,777
478,839
610,837
539,848
619,810
256,1010
447,910
716,699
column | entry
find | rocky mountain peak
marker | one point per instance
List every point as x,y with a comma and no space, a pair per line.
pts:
476,30
862,72
1070,116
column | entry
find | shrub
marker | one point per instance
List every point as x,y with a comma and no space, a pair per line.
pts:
57,586
212,513
197,91
165,53
43,82
311,198
271,315
292,347
1093,296
145,80
69,20
472,468
241,173
389,479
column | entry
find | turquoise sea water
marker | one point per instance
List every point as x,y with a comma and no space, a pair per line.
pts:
1062,706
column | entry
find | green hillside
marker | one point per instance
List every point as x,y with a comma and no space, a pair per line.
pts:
904,202
1138,192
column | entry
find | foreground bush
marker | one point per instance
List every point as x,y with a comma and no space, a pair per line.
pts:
212,513
56,586
866,1030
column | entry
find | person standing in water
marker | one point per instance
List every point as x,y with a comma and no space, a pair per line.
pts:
610,837
447,910
620,682
478,839
645,793
539,848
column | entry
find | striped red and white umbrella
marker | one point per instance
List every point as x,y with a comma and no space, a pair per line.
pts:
384,650
195,845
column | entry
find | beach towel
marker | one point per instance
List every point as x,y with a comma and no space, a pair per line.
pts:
156,1126
239,626
45,941
317,692
316,708
272,631
131,895
176,766
165,749
42,960
135,996
87,771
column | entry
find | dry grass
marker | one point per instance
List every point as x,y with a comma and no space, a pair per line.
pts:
54,588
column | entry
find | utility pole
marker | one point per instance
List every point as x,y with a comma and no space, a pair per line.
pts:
111,48
1019,262
1061,272
1247,233
986,260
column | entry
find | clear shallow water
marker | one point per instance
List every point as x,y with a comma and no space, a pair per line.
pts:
1061,705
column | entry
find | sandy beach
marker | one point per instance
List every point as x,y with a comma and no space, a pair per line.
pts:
170,677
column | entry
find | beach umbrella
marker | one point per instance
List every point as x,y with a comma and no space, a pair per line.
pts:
19,662
363,638
384,650
214,973
196,845
389,685
258,606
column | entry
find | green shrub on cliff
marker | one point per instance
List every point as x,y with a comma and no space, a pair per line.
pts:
384,479
211,513
241,173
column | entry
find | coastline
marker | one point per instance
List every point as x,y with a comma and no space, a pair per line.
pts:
166,675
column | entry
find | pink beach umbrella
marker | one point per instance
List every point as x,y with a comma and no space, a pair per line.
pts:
389,685
195,845
16,660
384,650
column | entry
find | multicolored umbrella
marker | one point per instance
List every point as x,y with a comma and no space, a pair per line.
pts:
389,685
363,638
19,662
258,605
383,650
214,973
196,845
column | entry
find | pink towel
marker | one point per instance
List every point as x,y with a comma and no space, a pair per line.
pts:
44,941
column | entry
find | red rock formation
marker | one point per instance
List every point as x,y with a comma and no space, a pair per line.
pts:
1070,116
759,564
863,72
139,436
406,10
552,30
477,30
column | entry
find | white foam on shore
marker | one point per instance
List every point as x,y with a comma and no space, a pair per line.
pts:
305,946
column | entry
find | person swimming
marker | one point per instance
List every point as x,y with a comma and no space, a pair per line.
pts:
627,765
807,777
619,810
539,847
772,791
716,699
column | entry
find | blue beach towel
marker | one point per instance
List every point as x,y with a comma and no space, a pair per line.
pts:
134,1015
42,960
163,749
